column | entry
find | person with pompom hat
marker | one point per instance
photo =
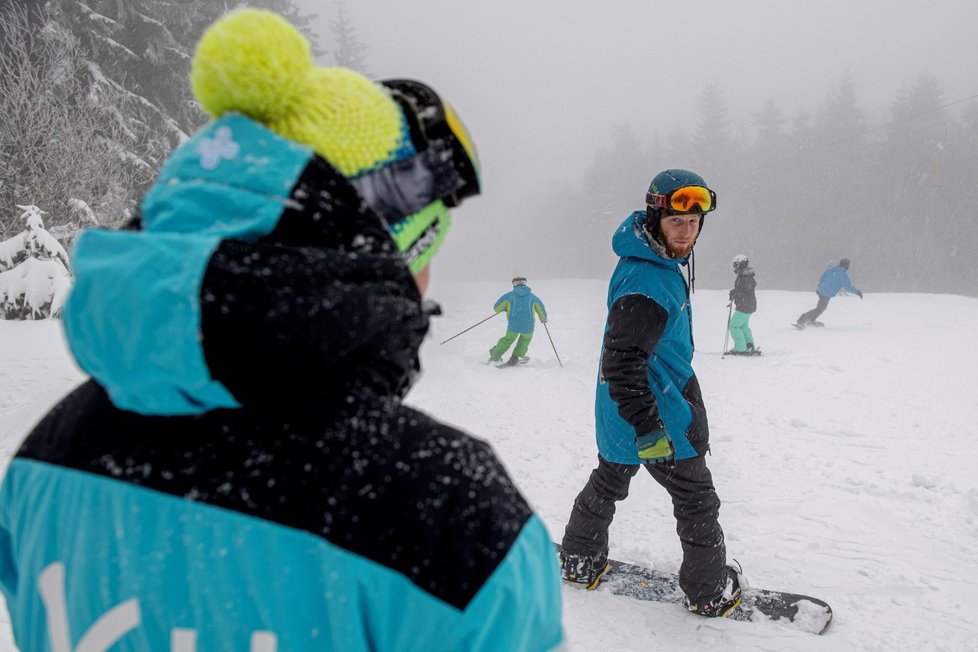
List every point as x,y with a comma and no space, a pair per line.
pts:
239,471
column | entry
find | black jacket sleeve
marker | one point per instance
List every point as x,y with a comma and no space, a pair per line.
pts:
635,324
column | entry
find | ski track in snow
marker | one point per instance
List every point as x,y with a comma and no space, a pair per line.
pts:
844,456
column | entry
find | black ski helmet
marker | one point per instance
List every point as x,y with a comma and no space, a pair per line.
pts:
844,263
519,280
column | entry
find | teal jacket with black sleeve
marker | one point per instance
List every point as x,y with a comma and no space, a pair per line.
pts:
240,472
646,371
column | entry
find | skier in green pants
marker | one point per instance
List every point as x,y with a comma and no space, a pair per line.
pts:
519,304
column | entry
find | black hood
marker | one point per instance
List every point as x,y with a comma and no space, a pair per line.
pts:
321,307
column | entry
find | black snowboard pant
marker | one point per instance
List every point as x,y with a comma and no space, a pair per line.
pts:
696,507
813,314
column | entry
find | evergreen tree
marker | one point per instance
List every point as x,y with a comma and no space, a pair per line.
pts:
136,56
349,51
56,146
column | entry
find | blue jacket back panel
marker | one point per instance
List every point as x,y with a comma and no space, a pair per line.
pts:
520,304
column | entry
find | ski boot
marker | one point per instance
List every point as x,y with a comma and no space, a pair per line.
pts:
751,350
728,600
582,571
494,359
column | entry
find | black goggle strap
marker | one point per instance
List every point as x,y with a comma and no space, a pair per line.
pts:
406,186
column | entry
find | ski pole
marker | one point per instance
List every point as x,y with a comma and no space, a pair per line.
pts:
552,343
726,334
473,326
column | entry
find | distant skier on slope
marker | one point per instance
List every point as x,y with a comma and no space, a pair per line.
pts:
745,304
649,408
833,280
520,305
240,472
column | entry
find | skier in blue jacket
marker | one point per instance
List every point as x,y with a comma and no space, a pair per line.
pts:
520,305
240,472
834,279
649,410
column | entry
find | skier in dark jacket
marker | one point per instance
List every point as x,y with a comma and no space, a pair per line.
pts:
520,305
833,280
649,410
745,304
240,472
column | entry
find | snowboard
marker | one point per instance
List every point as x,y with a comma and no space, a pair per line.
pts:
795,611
802,327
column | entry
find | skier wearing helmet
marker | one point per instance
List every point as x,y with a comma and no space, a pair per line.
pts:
745,304
520,305
649,409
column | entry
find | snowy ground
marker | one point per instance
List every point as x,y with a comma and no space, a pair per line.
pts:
845,457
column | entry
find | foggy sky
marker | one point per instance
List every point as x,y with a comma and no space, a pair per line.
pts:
541,84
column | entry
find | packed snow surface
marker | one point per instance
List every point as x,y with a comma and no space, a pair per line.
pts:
845,456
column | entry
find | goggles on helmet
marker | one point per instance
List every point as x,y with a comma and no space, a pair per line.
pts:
683,200
446,166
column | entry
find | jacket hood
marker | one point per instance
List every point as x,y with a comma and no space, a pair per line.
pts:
522,290
259,277
630,241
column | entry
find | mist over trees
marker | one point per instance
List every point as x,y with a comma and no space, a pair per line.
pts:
895,194
95,95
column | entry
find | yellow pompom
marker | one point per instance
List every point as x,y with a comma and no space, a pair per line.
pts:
347,119
251,61
254,62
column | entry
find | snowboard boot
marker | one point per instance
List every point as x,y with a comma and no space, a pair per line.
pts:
728,600
582,571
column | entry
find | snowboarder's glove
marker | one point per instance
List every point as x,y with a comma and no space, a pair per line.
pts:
860,293
655,447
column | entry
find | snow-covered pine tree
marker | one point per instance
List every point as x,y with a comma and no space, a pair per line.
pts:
34,271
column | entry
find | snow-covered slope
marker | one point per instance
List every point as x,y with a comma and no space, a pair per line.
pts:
845,456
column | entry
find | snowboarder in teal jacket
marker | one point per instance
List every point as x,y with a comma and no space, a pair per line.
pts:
520,304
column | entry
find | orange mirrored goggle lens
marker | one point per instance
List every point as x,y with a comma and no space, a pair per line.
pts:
689,199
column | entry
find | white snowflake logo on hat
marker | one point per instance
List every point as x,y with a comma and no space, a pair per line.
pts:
221,146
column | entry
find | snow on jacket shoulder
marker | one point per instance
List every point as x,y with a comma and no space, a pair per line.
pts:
202,488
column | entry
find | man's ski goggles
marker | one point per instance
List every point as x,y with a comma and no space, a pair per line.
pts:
688,199
446,166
